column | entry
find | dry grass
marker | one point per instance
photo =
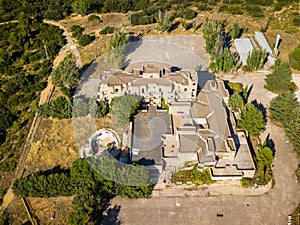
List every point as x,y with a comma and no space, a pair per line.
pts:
42,208
54,146
55,143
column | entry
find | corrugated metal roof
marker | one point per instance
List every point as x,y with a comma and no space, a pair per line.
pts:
243,46
263,42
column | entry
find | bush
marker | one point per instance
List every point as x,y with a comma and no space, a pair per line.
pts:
246,182
95,18
186,13
279,81
108,30
59,108
294,57
194,176
76,31
123,107
202,7
85,39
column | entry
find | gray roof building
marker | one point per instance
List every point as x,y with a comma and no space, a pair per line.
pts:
244,47
263,42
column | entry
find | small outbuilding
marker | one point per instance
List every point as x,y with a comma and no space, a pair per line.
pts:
260,37
244,47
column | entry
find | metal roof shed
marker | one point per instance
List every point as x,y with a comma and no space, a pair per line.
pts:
263,42
244,47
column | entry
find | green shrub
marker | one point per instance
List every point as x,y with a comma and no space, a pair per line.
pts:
294,57
279,81
186,13
76,31
194,176
246,182
108,30
85,39
204,7
95,18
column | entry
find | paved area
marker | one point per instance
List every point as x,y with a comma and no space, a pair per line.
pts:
270,208
168,50
237,207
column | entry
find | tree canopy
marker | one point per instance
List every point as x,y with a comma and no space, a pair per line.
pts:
88,181
236,101
256,60
66,74
123,107
27,50
264,160
59,108
279,80
294,57
286,110
252,120
281,107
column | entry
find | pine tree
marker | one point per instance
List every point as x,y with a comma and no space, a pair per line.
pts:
252,120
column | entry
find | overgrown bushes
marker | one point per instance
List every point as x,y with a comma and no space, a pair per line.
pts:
108,30
194,175
83,39
87,180
123,107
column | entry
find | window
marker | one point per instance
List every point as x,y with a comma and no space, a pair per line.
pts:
143,90
194,84
116,90
185,89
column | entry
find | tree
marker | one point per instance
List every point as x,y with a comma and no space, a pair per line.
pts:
286,110
123,107
211,30
80,7
59,108
6,119
76,31
236,101
66,74
279,80
256,60
117,45
281,107
264,159
294,57
80,108
235,30
85,39
252,120
164,22
292,129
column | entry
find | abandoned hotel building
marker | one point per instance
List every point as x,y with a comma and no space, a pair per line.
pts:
197,128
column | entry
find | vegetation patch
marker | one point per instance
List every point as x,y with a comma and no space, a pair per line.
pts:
92,189
194,175
123,107
294,57
285,109
279,81
27,50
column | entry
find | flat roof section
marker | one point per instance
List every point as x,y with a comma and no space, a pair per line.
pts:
244,47
263,42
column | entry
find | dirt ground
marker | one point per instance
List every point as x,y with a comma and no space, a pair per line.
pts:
41,208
